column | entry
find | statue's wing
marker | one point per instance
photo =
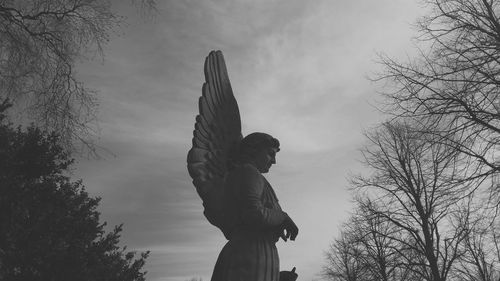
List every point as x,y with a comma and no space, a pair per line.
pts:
217,130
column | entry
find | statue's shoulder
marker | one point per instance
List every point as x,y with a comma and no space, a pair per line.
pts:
246,172
246,169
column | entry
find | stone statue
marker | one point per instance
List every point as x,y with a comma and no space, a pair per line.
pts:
227,173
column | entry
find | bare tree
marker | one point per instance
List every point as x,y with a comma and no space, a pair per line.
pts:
40,43
343,260
382,252
416,186
455,78
481,259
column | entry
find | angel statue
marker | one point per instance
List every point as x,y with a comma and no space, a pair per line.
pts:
227,171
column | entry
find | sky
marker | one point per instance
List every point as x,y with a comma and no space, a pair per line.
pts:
299,71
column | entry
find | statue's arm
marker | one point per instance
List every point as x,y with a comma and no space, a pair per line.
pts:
251,187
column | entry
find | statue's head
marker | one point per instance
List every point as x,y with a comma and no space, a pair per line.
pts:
259,149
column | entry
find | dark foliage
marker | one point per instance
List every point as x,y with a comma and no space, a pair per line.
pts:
49,225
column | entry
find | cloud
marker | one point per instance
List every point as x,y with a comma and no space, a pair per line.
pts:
298,69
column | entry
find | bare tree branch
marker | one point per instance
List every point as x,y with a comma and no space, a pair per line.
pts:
456,82
40,44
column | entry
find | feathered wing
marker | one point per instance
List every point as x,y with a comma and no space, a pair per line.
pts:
217,131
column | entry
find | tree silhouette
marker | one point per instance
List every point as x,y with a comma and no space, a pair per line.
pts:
453,82
416,186
41,42
49,225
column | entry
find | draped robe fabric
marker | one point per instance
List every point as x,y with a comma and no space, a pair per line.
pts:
250,254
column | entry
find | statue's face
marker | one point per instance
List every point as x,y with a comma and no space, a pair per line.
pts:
264,158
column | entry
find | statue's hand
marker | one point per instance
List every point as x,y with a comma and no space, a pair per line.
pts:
288,275
289,229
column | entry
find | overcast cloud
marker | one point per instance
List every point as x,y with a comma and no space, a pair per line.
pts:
298,70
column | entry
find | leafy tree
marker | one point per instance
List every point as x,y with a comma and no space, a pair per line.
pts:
49,225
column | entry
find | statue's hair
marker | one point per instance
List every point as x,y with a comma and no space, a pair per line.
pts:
252,143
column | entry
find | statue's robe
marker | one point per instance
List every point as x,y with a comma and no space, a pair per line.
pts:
250,254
